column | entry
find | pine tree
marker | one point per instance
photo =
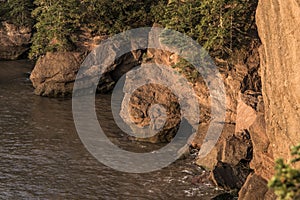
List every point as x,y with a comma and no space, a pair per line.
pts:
218,25
286,181
20,12
57,20
17,12
114,16
3,10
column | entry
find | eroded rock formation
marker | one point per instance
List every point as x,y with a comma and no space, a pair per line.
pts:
260,125
55,73
277,128
278,26
14,41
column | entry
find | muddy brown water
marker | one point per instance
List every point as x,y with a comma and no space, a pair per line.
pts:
42,157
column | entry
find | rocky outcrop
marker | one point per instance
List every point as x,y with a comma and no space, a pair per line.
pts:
141,104
278,26
55,73
260,125
277,128
230,159
271,117
14,41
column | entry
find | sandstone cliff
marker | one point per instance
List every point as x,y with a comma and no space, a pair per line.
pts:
278,24
278,27
263,100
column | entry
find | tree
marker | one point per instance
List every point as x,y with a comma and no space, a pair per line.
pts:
115,16
218,25
17,12
20,12
57,20
3,10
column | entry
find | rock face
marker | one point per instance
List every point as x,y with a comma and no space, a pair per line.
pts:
277,128
230,159
278,26
256,188
54,74
14,41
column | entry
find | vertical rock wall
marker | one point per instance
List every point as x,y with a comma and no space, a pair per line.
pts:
273,133
278,24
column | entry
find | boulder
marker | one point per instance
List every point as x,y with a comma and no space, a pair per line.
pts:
237,148
232,167
140,105
54,74
14,41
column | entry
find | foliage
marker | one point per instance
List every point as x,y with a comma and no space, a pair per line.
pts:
20,12
57,20
185,68
3,10
157,11
286,181
17,12
218,25
114,16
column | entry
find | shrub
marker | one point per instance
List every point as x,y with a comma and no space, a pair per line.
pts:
286,181
115,16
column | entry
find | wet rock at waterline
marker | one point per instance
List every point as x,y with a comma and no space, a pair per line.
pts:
14,41
54,74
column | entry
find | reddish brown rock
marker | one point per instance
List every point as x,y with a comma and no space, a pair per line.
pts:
140,104
255,188
278,27
54,74
14,41
263,161
246,116
277,126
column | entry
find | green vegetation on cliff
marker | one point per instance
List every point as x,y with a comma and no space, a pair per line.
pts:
114,16
218,25
56,23
17,12
286,181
